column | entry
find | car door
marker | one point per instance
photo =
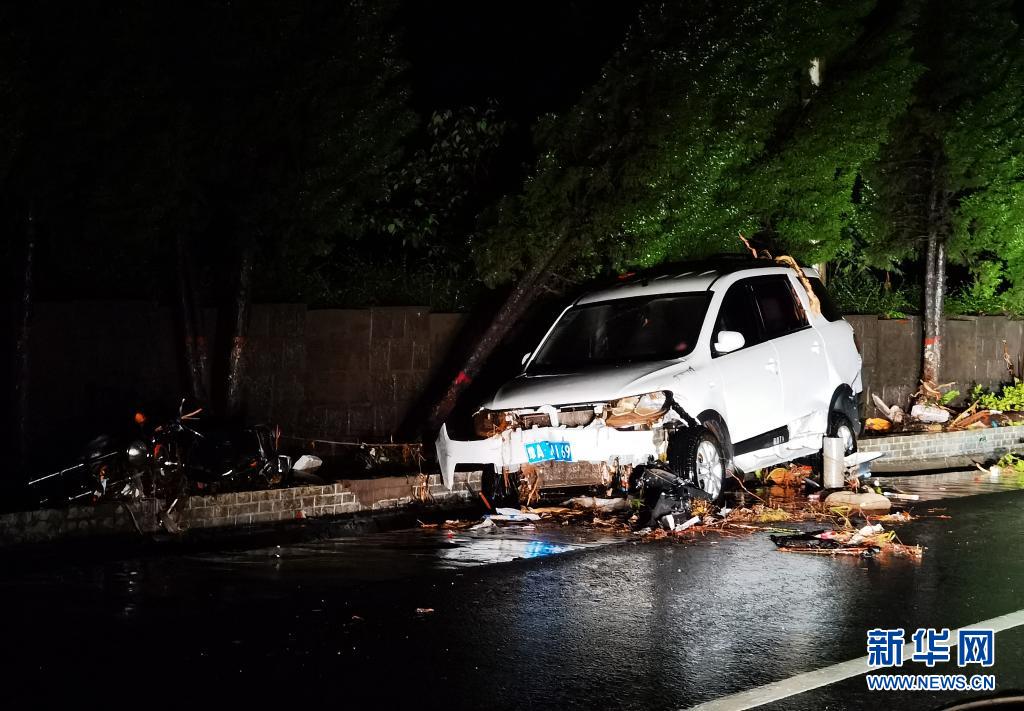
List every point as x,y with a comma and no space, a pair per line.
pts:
748,378
802,362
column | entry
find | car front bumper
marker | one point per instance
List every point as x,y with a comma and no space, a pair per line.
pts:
508,449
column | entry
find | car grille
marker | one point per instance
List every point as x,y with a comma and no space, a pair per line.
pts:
576,417
535,419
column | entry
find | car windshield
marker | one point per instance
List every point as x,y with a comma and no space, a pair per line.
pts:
644,328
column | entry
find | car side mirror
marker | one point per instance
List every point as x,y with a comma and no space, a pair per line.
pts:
729,341
526,357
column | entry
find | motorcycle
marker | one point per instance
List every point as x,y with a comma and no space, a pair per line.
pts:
193,454
189,454
108,470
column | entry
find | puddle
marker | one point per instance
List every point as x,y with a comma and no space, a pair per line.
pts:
952,485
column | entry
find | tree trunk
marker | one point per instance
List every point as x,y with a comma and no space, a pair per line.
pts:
193,340
518,302
934,289
241,301
22,360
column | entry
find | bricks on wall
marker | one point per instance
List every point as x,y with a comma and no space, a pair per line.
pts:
345,497
957,447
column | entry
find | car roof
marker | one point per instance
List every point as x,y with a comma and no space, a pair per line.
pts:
685,277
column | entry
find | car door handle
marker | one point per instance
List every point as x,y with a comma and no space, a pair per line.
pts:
772,366
815,347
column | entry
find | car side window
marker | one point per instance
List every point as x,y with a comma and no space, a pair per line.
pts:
781,312
738,313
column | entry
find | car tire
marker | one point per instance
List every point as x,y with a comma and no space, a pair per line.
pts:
695,454
839,425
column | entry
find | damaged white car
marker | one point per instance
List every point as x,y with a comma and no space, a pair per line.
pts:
717,368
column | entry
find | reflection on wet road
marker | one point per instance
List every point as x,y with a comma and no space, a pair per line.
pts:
949,485
549,617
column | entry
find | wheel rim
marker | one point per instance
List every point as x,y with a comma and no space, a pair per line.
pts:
709,468
844,433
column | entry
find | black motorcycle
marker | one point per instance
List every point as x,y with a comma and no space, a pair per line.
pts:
110,469
206,455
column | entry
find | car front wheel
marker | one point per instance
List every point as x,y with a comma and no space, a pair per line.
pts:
696,455
839,425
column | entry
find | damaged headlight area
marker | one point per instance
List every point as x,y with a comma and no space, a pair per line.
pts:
636,411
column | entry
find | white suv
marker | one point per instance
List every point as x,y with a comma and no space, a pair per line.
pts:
715,368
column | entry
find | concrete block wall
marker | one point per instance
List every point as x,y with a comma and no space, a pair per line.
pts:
352,374
943,448
334,374
365,368
973,354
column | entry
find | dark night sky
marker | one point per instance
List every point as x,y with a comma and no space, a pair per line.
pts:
530,55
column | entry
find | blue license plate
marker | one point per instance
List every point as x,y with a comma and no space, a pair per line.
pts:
548,452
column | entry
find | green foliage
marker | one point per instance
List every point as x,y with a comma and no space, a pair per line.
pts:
951,165
949,396
858,290
706,124
983,295
418,227
1009,399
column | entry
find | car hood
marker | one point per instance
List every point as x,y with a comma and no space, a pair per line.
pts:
585,386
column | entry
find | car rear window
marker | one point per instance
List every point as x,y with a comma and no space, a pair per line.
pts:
646,328
828,307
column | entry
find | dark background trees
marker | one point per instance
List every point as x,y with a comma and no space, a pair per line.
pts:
482,158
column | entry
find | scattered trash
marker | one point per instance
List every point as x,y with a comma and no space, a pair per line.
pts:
688,524
793,475
868,501
901,497
307,463
929,413
894,414
868,542
877,424
593,502
486,523
898,517
671,523
512,515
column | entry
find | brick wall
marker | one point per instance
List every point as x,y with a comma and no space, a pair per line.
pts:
953,449
78,522
345,497
241,508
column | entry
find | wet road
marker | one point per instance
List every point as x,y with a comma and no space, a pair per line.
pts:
544,619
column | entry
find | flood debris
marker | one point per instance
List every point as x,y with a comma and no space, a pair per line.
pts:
933,411
867,542
599,504
864,501
929,413
661,505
